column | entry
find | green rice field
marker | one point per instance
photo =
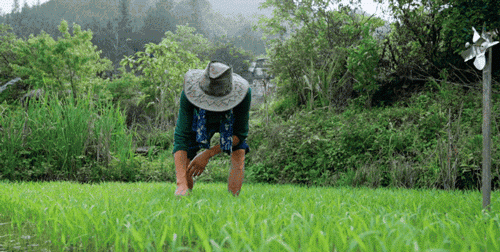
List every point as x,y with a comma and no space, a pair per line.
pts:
64,216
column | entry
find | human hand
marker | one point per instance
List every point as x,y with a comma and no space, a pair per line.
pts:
198,164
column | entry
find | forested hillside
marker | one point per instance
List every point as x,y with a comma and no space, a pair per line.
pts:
123,27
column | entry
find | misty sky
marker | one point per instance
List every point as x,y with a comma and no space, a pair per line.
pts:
6,5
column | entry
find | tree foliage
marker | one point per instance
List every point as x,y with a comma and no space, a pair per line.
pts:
123,27
320,52
158,21
163,66
197,44
457,29
228,53
125,18
429,35
70,62
16,6
7,56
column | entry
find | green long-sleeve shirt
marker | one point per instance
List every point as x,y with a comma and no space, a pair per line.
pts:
184,135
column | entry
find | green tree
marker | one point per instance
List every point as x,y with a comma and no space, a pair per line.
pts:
195,43
163,75
70,62
237,58
27,21
457,29
429,35
123,31
249,40
16,7
158,21
15,17
125,19
194,13
416,39
321,54
7,56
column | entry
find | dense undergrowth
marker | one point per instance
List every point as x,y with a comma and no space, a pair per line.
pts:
64,139
432,140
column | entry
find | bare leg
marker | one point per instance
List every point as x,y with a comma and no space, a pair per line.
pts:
181,164
189,177
235,180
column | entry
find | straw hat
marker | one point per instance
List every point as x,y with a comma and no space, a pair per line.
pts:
216,88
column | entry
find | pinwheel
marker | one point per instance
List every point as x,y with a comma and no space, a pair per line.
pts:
478,49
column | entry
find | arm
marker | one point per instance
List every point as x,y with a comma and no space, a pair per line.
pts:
197,166
242,116
180,158
183,132
216,149
240,132
182,137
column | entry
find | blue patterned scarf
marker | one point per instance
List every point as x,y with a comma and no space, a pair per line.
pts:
225,130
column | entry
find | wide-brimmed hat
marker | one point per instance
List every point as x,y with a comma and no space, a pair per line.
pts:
216,88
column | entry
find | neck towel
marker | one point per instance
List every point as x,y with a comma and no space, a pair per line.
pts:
225,130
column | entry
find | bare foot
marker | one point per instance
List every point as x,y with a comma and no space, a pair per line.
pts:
235,194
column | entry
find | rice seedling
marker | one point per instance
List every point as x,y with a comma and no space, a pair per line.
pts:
58,216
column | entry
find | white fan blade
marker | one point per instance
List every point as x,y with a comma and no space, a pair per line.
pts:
468,54
480,62
476,35
493,43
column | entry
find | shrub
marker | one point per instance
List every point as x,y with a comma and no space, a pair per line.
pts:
429,142
284,106
291,151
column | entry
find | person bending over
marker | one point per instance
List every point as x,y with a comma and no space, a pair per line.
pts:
213,100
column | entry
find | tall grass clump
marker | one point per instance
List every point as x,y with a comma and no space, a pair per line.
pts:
63,138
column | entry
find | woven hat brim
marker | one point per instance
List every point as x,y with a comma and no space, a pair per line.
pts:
200,99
